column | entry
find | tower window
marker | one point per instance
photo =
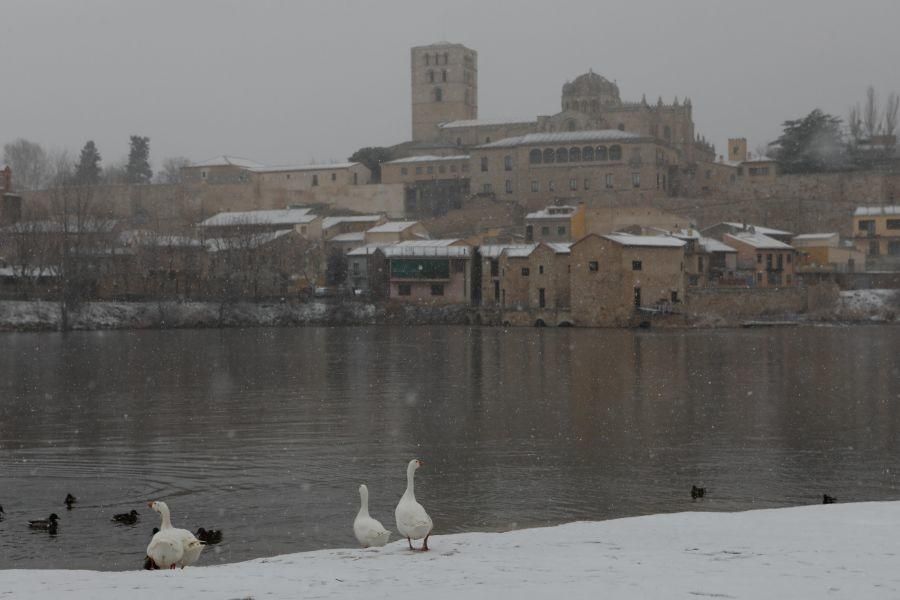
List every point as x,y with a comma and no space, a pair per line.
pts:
438,94
446,58
315,180
507,163
484,164
444,75
430,76
427,59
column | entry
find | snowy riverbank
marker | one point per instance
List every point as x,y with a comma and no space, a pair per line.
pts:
835,551
859,306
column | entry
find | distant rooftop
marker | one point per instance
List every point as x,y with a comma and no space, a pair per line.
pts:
553,212
648,241
329,222
254,241
484,123
355,236
714,245
759,241
228,161
292,168
401,251
393,227
815,236
427,243
874,211
566,137
494,250
746,227
427,158
288,216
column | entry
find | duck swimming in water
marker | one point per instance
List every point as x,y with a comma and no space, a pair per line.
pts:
129,518
48,524
211,536
70,500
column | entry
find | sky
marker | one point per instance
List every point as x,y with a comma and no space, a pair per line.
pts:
288,82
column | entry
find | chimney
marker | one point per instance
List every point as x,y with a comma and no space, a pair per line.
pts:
7,180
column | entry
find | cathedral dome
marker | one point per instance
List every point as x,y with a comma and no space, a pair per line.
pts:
591,86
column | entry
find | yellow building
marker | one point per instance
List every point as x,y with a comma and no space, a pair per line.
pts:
555,224
876,231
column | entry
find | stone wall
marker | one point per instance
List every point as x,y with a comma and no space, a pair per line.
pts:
734,304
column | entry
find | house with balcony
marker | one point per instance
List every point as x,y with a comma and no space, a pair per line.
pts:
429,271
827,253
876,232
762,260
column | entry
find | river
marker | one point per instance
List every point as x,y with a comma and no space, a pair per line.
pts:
267,433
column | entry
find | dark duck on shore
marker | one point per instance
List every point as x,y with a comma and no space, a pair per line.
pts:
129,518
826,499
70,500
48,524
212,536
1,513
697,492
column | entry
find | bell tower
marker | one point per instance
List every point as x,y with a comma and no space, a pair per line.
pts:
444,87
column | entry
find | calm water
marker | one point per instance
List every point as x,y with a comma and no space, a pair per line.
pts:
266,433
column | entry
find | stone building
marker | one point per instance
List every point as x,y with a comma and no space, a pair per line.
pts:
230,224
444,87
616,276
555,224
535,277
825,252
430,272
767,261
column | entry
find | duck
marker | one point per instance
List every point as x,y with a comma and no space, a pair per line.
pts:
48,524
70,500
1,513
210,536
697,492
826,499
129,518
369,531
171,547
413,522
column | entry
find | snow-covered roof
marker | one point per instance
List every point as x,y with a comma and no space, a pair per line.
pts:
553,212
87,225
649,241
137,237
228,161
401,251
427,158
356,236
283,168
520,251
566,137
874,211
494,250
287,216
484,123
393,227
244,242
758,240
560,247
329,222
814,236
714,245
366,250
427,243
757,228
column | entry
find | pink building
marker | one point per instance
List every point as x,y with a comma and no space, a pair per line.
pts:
768,261
430,271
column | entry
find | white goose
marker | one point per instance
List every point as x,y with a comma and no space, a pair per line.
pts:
369,531
171,547
413,522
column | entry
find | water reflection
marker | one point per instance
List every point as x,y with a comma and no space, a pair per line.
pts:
266,433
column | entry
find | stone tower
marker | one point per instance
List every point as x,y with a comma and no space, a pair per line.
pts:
737,149
444,87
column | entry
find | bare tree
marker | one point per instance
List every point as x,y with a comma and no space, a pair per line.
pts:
171,169
870,115
29,162
890,117
854,123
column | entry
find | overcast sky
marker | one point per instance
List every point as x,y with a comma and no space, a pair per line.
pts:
294,82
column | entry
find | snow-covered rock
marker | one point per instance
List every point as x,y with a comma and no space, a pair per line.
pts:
831,551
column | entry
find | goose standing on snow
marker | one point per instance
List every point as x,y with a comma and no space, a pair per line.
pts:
413,522
369,531
171,547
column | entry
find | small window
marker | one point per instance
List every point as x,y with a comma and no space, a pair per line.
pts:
303,229
893,223
759,278
355,268
541,269
202,174
509,188
404,289
535,156
587,183
787,279
403,171
561,230
535,186
609,181
674,297
418,170
789,258
573,184
621,127
444,76
315,180
334,176
615,153
545,231
484,164
551,186
636,265
526,271
430,76
486,188
487,140
437,289
427,60
438,95
429,170
593,265
507,163
636,180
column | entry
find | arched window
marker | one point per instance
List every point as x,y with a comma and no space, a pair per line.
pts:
574,154
571,125
534,157
601,153
549,156
444,75
595,106
562,155
430,76
667,132
446,58
587,153
615,153
438,94
621,126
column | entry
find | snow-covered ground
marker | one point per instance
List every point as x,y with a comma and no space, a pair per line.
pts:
826,551
872,305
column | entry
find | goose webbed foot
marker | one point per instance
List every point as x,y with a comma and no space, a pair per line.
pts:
409,541
425,543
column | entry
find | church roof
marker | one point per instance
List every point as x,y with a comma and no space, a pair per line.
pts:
565,137
484,123
228,161
589,84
